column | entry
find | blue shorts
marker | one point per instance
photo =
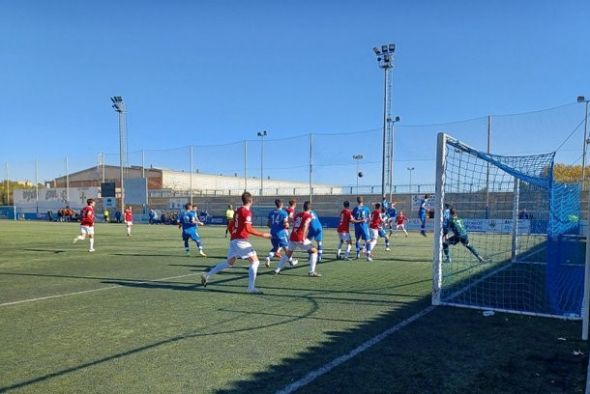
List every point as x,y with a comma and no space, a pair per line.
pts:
422,215
279,242
362,233
318,234
186,235
382,233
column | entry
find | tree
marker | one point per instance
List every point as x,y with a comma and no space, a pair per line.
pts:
9,187
569,173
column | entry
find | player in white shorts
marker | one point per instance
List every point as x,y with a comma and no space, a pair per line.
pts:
298,240
240,247
128,219
343,231
87,219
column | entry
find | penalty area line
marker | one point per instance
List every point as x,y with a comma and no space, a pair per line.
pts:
88,291
313,375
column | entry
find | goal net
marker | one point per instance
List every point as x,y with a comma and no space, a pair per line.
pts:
506,234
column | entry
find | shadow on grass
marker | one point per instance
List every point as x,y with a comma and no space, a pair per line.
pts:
147,255
228,289
453,351
177,338
101,278
45,250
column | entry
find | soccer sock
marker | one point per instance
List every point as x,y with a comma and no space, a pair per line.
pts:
358,247
128,230
271,254
313,259
219,267
387,242
474,251
348,247
446,250
80,237
282,263
186,247
370,246
91,243
320,250
252,274
339,248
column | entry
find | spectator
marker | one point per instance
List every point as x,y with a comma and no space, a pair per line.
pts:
106,214
523,215
118,216
152,216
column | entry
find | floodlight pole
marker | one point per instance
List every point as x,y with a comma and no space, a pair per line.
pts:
411,169
245,165
191,176
385,61
67,182
119,107
310,167
7,185
262,134
37,185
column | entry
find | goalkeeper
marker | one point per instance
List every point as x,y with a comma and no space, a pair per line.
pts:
459,235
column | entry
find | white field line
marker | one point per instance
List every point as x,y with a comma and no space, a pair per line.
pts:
88,291
313,375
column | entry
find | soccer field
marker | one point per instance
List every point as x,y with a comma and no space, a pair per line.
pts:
132,317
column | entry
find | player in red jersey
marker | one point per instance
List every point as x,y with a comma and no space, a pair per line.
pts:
239,247
344,231
87,223
400,222
128,219
291,211
298,240
375,226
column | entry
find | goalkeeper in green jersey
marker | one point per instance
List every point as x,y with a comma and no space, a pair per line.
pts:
455,224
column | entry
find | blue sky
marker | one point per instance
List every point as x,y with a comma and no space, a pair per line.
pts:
216,72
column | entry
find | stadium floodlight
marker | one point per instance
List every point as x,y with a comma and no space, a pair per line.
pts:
119,107
385,61
262,134
410,169
377,51
582,99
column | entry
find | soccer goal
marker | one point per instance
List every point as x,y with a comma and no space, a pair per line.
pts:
522,252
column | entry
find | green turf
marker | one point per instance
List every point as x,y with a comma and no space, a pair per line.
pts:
142,333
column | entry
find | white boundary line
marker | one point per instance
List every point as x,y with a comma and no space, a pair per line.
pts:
89,291
313,375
